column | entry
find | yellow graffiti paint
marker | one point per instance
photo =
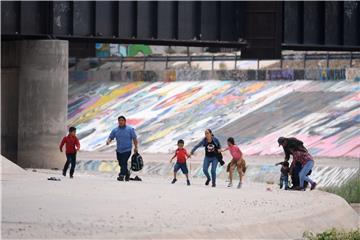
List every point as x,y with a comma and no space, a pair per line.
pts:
96,108
252,88
109,167
160,134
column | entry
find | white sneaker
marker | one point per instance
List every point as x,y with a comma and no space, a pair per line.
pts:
230,184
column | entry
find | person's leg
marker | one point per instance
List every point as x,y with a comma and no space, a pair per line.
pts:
118,157
240,164
66,166
231,171
304,171
286,181
73,164
206,165
176,169
214,164
281,181
185,171
123,161
295,175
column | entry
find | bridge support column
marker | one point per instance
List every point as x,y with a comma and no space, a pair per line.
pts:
42,102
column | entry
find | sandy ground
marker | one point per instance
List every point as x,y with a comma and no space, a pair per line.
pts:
95,206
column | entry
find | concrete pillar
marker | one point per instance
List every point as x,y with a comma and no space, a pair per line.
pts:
9,99
43,98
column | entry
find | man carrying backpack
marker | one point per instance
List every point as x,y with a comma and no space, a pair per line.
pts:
125,136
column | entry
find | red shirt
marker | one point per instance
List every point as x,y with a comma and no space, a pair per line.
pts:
181,155
235,152
72,144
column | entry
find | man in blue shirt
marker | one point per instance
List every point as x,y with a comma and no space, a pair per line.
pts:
125,136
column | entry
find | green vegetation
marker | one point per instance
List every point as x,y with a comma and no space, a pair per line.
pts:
350,191
333,234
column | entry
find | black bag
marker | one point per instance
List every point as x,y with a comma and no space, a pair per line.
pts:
137,162
219,157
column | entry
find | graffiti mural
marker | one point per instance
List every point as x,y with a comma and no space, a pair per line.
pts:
109,50
324,114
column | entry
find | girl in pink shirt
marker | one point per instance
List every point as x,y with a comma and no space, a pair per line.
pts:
237,161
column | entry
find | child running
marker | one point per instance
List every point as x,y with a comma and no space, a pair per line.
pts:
237,161
72,146
181,156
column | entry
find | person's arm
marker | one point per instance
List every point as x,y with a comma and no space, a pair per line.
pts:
77,144
217,143
287,154
173,157
187,154
111,137
135,141
201,143
62,144
223,149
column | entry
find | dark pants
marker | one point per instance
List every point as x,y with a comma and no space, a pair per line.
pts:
123,163
71,158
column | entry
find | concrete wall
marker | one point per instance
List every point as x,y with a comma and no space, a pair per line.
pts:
324,74
34,101
9,99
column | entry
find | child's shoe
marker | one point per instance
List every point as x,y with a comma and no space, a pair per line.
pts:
188,182
230,184
173,181
239,185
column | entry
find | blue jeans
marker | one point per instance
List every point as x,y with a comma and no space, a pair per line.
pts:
123,162
284,180
214,163
70,158
303,173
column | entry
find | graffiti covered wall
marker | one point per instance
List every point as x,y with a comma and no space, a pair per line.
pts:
325,115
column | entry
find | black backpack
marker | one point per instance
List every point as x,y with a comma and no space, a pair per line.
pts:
137,162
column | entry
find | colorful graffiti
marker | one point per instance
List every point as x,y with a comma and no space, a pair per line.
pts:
325,115
131,50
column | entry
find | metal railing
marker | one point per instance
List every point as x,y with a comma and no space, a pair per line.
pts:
235,57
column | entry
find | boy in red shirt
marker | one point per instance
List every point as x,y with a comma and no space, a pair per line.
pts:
181,156
72,146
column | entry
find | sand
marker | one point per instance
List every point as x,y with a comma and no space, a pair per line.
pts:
96,206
